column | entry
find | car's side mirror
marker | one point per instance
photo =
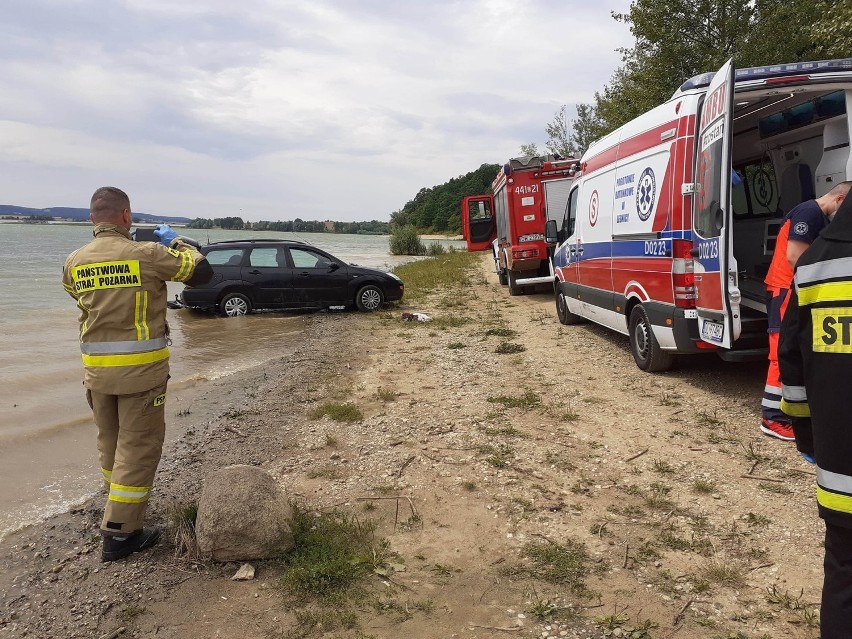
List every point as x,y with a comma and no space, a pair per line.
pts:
333,267
551,235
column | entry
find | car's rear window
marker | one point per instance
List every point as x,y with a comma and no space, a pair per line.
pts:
225,257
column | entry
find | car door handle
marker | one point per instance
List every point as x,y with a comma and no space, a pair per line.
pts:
254,272
304,274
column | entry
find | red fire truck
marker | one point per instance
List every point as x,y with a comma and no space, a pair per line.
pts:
526,193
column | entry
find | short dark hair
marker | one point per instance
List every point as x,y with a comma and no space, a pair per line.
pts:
108,202
842,188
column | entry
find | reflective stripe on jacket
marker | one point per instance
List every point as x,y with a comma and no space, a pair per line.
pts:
815,357
120,288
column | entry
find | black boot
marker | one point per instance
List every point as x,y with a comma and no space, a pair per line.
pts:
120,546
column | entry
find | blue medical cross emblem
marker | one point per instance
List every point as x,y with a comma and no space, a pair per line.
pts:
646,192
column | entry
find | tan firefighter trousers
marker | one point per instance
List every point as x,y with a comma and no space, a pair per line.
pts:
131,429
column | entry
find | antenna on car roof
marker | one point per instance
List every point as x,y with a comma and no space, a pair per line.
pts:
301,240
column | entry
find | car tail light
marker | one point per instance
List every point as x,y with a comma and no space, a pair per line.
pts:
683,277
525,254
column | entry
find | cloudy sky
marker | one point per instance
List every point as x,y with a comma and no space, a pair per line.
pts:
271,109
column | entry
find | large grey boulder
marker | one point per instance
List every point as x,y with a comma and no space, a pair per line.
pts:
243,514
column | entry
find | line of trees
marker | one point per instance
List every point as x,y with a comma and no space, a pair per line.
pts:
373,227
677,39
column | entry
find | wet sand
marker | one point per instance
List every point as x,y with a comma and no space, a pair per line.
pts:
48,438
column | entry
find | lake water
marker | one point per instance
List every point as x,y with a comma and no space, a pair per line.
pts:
46,429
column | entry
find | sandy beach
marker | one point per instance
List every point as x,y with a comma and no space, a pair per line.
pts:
487,433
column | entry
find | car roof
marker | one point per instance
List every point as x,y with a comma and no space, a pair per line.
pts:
256,241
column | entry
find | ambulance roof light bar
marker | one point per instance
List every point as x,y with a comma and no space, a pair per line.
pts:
800,69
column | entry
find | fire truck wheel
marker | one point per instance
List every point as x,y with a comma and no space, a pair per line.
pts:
514,289
565,316
644,346
234,305
501,276
369,298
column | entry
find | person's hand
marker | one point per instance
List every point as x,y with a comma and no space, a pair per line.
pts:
165,234
808,458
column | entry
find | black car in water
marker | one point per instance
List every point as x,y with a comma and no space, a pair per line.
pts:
286,274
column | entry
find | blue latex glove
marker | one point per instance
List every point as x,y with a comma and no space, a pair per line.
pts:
165,234
808,458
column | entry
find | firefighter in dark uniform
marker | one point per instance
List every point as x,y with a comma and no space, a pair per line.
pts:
815,357
120,288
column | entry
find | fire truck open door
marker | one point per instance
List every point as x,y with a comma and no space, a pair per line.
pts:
479,225
715,267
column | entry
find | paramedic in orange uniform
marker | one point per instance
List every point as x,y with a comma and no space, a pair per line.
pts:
800,228
120,288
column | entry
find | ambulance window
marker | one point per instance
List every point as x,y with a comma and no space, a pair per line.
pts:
570,214
762,188
709,216
757,195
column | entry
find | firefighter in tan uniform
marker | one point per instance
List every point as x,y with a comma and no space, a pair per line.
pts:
120,288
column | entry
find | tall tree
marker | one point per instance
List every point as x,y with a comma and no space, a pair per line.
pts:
586,128
676,39
529,150
558,131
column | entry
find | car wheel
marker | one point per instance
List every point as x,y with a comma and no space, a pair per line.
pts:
644,346
369,298
234,305
565,316
512,278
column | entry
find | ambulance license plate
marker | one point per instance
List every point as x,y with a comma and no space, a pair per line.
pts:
712,331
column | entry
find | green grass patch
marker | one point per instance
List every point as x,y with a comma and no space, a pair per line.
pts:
498,456
386,394
451,270
527,400
507,348
334,552
501,332
454,346
338,412
565,564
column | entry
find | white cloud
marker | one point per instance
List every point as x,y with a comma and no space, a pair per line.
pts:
274,110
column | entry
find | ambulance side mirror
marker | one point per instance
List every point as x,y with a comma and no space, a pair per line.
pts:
551,235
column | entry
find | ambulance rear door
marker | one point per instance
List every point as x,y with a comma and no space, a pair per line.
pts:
479,226
717,300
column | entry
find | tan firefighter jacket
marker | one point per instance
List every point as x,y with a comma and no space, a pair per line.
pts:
120,288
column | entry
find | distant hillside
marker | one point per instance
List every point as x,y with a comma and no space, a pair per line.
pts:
439,208
69,213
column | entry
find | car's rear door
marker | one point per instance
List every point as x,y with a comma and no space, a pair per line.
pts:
318,279
227,264
269,276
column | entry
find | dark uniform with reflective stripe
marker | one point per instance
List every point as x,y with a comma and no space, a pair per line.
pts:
815,356
120,288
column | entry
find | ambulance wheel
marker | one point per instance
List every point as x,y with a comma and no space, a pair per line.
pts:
644,346
565,316
514,289
369,299
234,305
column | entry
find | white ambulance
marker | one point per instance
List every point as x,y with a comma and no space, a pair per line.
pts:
671,224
